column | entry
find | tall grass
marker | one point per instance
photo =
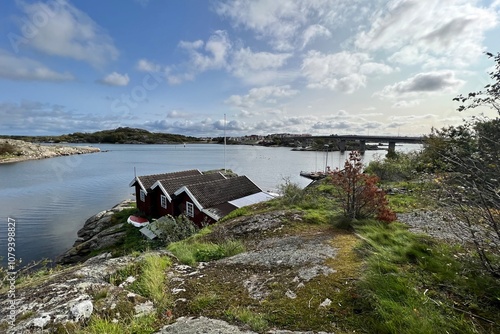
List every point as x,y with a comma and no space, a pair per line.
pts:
191,251
414,285
152,282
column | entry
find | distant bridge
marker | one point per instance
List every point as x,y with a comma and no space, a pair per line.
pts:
362,139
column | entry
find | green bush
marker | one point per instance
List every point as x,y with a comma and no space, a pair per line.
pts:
401,167
6,148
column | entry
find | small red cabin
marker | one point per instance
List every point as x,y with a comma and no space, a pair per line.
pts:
203,198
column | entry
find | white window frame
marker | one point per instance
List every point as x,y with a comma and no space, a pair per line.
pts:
142,195
189,209
163,201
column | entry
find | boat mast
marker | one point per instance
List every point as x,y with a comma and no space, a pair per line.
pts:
224,143
326,160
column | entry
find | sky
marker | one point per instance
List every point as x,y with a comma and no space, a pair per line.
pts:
321,67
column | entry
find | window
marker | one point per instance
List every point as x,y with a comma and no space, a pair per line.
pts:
189,209
163,201
142,196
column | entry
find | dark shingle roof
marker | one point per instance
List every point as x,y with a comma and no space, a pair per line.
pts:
171,185
148,180
213,193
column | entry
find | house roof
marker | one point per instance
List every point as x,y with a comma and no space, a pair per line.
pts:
252,199
213,193
146,181
169,186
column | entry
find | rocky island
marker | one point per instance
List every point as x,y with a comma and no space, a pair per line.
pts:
12,150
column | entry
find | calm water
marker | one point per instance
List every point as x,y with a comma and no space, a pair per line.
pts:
51,199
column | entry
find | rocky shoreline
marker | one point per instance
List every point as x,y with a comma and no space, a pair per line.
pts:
97,233
23,151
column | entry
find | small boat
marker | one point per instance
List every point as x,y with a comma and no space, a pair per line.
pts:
137,221
314,175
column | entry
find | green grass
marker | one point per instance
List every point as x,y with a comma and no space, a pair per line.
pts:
134,325
152,281
192,251
256,321
415,285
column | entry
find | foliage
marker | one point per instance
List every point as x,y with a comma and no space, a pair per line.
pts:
256,321
291,193
174,229
414,285
134,325
152,282
190,251
6,148
490,96
468,157
358,193
399,168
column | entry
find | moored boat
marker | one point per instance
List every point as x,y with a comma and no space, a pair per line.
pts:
137,221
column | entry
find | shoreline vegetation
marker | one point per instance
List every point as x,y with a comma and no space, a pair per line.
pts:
12,150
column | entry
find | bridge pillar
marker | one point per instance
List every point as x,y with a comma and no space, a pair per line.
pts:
392,147
342,145
362,146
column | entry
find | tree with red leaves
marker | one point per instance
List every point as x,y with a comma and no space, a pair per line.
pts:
358,193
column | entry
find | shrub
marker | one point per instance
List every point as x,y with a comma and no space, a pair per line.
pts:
401,167
358,193
291,193
7,148
174,229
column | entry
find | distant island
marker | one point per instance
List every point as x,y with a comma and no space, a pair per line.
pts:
122,135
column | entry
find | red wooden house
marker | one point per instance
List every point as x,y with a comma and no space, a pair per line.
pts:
206,203
143,192
204,198
163,192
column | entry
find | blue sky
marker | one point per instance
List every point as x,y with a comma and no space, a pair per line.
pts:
299,66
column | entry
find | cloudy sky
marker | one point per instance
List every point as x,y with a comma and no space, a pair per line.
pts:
299,66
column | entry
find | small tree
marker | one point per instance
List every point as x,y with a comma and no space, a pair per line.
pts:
468,156
358,193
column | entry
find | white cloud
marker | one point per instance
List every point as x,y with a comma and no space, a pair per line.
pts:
281,23
216,50
21,68
266,94
432,32
403,104
177,114
115,79
423,84
314,31
342,71
66,31
28,117
258,68
145,65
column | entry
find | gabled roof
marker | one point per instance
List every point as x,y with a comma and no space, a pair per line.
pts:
209,194
147,181
169,186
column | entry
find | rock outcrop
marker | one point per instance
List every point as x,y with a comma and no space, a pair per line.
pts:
22,150
97,233
279,262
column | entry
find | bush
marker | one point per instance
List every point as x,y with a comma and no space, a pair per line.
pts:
6,148
358,193
401,167
174,229
291,193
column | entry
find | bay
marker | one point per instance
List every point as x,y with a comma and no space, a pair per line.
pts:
50,199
